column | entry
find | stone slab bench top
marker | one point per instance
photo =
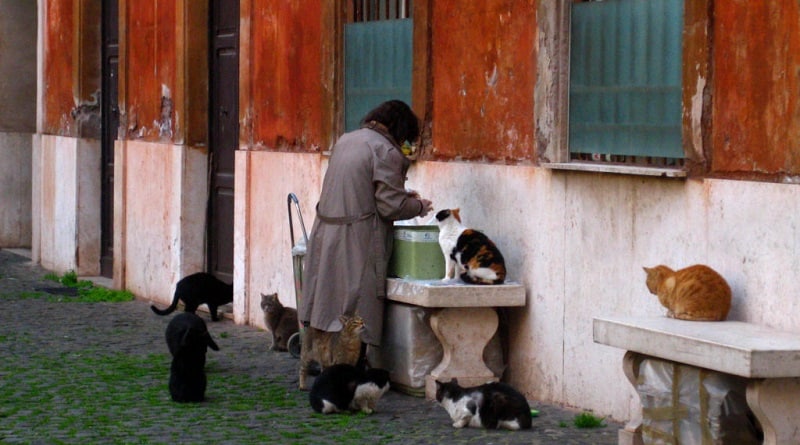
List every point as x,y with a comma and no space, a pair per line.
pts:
454,293
732,347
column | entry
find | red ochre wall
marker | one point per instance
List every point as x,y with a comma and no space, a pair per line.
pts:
480,82
58,99
148,87
483,76
756,93
284,101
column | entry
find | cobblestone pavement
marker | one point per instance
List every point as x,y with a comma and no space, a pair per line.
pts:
58,385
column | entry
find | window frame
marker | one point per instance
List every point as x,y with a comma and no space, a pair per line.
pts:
335,15
551,94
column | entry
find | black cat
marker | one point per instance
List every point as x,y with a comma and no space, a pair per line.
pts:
196,289
187,340
343,387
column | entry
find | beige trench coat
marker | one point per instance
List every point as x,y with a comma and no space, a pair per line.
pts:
350,243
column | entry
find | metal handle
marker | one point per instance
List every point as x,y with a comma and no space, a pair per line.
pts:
293,198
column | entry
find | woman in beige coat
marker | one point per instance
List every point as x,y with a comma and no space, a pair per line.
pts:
363,193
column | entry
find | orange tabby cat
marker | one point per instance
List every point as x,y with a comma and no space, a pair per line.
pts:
694,293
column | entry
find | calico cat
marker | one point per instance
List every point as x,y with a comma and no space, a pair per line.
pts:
196,289
492,405
694,293
330,348
281,320
344,387
468,252
187,339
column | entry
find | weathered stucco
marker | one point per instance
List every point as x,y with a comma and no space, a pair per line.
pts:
148,83
71,68
263,257
65,212
757,89
161,216
484,71
282,100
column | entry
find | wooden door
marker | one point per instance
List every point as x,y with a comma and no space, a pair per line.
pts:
223,133
110,125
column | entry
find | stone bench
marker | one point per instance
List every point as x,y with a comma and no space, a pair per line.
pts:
768,359
464,321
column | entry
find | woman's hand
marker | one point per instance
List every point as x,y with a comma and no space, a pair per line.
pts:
427,206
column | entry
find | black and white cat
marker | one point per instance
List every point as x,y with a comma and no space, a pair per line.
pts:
492,405
187,340
345,387
196,289
468,252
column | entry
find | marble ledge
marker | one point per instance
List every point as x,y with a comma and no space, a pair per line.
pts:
454,293
732,347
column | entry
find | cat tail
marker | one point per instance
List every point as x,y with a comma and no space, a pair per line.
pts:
211,343
169,309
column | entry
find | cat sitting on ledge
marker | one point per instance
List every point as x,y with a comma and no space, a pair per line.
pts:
696,293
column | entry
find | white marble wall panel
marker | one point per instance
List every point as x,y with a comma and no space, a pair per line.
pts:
264,181
68,230
164,217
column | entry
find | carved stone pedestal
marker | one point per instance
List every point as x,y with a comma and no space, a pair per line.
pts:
464,323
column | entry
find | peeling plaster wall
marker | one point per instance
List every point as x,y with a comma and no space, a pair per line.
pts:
162,213
148,77
756,126
282,93
66,190
483,80
262,256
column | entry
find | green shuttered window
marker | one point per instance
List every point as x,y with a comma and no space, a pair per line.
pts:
625,80
377,66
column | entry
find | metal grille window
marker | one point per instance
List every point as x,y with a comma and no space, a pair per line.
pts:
625,81
378,43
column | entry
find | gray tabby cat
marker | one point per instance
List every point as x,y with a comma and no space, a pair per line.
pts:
281,320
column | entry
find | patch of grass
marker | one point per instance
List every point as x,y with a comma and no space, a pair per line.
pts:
105,396
588,420
87,291
27,295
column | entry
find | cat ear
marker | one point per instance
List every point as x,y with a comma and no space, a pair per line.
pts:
185,337
646,269
454,381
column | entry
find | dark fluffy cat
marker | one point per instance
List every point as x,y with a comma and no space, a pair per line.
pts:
187,340
468,252
492,405
196,289
345,387
281,320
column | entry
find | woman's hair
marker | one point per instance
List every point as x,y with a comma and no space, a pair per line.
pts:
398,118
